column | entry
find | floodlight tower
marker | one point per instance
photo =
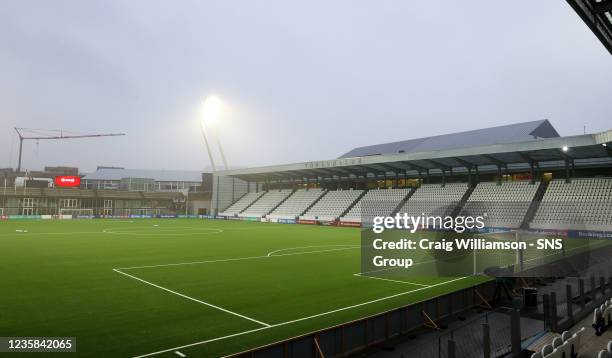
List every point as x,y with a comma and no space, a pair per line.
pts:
210,115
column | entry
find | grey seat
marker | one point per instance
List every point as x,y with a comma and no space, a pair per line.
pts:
565,336
546,350
604,354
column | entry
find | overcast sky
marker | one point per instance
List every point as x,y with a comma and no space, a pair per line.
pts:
300,80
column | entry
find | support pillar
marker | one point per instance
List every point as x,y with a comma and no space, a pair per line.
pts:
515,333
486,340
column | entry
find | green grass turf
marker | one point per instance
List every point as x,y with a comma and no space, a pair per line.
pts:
58,280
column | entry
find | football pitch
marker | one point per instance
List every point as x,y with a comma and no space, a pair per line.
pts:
151,287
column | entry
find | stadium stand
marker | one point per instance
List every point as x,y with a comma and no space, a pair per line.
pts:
584,203
602,317
566,345
376,202
244,202
332,205
296,204
505,203
434,199
266,203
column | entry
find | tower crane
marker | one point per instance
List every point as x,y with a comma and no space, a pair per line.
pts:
52,134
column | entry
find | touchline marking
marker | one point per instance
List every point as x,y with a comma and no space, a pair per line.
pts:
193,299
202,342
390,280
300,319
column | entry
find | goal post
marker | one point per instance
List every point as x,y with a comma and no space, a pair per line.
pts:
489,261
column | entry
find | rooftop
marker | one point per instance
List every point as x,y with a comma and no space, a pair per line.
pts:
107,173
519,132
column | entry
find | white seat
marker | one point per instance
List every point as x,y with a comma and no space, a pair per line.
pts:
241,203
332,205
376,202
296,204
505,204
266,203
582,204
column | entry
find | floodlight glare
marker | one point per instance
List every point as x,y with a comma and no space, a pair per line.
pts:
211,109
565,148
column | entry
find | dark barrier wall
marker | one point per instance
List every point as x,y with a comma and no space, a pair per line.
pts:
352,337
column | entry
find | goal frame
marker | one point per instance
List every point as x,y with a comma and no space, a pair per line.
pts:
76,213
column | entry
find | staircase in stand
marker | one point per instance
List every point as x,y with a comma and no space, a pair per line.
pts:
403,202
463,200
535,204
353,203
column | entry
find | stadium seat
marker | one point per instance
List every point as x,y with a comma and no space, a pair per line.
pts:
547,350
574,342
505,204
607,315
266,203
296,204
376,202
582,204
434,199
536,355
332,205
565,336
242,203
598,322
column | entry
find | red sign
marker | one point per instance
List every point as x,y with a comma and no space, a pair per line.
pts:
67,181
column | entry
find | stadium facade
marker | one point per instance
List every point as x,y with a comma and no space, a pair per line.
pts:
526,162
106,192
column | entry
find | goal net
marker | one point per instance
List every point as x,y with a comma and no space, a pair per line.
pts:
497,253
78,213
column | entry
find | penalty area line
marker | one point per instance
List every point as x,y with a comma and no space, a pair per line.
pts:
193,299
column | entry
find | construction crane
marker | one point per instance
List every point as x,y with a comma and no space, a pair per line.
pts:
52,134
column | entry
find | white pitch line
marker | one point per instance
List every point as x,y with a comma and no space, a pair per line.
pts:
369,302
390,280
230,260
180,354
572,249
193,299
345,247
202,342
300,319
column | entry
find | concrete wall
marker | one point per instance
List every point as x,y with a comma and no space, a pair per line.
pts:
226,190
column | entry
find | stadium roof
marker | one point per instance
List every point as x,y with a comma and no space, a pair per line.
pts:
588,150
518,132
597,14
157,175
